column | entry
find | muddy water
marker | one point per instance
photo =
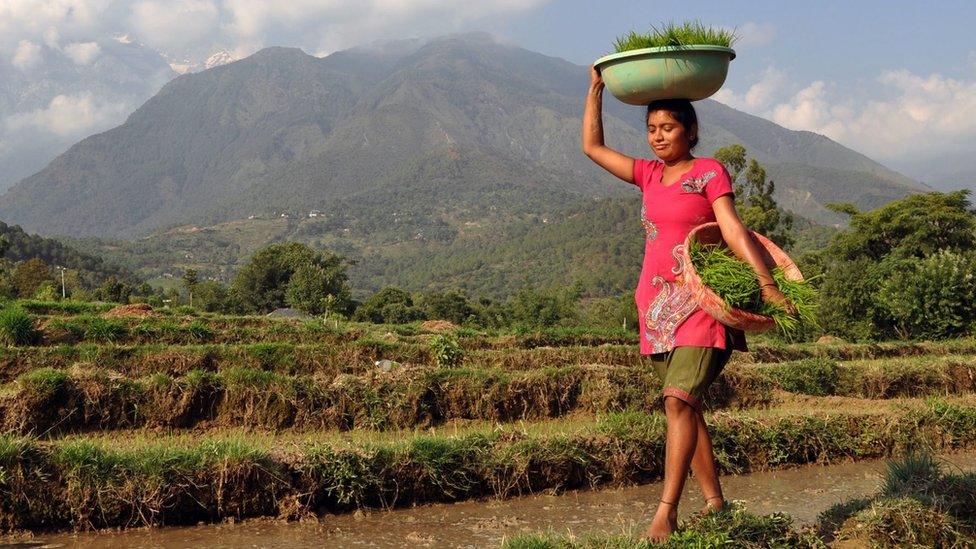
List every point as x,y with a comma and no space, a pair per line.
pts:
802,492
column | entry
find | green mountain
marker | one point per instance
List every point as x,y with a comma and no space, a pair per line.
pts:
390,143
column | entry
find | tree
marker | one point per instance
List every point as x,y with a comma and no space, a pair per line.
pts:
530,307
262,284
190,282
113,290
933,297
917,226
452,305
754,196
29,275
211,296
389,305
319,289
904,270
733,157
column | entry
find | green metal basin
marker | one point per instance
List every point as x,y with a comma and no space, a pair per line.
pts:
640,76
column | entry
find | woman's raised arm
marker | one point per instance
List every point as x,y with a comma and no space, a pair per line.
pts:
614,162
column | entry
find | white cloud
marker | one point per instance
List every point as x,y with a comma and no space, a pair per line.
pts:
810,110
770,86
70,116
195,29
34,20
82,53
26,55
917,117
922,116
52,38
176,25
754,34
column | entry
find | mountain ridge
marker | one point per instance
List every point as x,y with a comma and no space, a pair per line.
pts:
291,131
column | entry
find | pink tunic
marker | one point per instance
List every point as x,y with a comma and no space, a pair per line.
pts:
669,316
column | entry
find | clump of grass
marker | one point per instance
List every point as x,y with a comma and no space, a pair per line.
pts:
43,381
73,328
689,33
66,307
199,332
919,505
186,310
17,327
104,329
736,283
906,522
913,474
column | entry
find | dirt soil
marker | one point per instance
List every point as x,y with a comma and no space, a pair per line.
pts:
135,310
438,325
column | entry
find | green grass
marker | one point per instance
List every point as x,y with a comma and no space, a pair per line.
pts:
736,283
689,33
104,329
43,381
732,527
17,327
63,307
919,505
104,480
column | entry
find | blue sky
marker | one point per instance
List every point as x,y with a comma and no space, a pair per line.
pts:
893,80
848,42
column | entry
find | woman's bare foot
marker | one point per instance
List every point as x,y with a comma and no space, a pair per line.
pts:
712,504
664,524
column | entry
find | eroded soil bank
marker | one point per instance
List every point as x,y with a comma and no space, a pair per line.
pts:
801,492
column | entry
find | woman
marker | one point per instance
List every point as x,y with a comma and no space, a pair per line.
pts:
686,345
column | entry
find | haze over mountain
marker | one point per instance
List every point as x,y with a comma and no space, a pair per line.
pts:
458,129
66,92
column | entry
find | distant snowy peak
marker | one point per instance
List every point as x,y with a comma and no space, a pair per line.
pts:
219,58
186,66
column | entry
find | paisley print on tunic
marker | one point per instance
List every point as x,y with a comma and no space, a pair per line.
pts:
697,184
671,306
679,260
649,227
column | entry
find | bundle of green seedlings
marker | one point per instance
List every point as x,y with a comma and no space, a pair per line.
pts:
672,34
736,283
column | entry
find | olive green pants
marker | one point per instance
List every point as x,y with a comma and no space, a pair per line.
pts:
686,372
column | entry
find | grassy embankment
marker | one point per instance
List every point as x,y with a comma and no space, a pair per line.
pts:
272,417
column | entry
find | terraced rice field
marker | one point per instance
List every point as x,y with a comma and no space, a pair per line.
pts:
122,422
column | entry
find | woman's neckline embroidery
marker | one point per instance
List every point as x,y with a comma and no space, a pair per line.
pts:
660,180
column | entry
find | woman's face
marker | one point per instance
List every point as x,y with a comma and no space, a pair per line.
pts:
667,137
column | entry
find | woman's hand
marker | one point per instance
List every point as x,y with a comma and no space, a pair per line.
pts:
772,294
596,80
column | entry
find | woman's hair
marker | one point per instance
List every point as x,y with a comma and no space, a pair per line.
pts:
681,110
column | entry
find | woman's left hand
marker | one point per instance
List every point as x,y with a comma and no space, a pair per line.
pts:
772,294
596,79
